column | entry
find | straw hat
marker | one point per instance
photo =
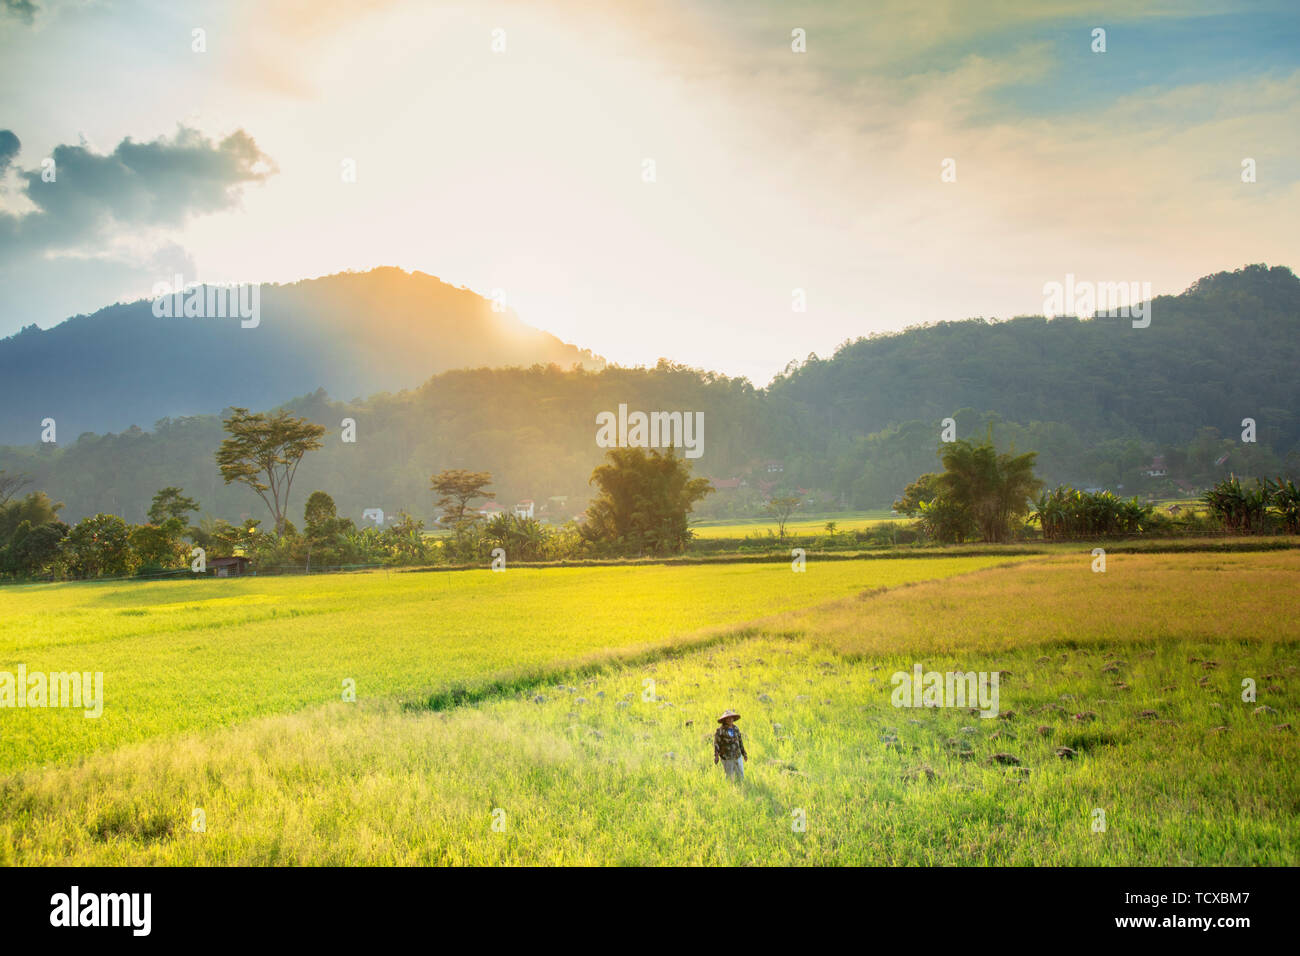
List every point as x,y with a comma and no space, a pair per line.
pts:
728,713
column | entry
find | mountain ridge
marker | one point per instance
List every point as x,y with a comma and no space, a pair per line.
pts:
353,333
1096,398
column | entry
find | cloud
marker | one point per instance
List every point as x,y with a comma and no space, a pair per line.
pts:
9,146
94,200
24,10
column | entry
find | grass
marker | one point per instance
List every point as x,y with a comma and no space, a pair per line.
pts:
210,653
607,769
797,526
1179,598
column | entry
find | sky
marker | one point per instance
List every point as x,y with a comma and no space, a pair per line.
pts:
508,147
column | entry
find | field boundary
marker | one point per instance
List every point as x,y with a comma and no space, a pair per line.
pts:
1218,543
1129,545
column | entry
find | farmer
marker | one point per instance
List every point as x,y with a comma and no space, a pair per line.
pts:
729,746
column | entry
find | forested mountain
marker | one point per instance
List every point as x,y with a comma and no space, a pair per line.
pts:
1097,399
1089,393
1228,348
353,334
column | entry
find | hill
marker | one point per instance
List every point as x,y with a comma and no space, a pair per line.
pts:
1098,399
353,334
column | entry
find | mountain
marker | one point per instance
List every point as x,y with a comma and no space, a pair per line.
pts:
351,333
1228,348
1096,398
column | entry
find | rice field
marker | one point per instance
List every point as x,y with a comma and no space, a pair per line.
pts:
797,526
1122,738
210,653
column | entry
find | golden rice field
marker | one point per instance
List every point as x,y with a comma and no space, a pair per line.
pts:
1137,672
209,653
797,526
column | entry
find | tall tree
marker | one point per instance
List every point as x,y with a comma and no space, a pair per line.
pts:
456,488
264,451
781,507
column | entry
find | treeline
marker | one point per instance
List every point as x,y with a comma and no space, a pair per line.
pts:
1098,400
986,496
641,508
36,544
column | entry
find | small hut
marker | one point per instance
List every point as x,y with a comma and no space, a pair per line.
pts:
231,567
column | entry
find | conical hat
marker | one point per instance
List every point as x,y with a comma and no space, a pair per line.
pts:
728,713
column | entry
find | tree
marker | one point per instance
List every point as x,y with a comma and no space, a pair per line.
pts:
219,537
1066,512
263,452
326,533
522,539
158,547
924,489
781,507
1284,501
643,501
1238,508
456,489
36,508
995,489
944,520
171,503
320,515
33,549
404,541
10,485
99,546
